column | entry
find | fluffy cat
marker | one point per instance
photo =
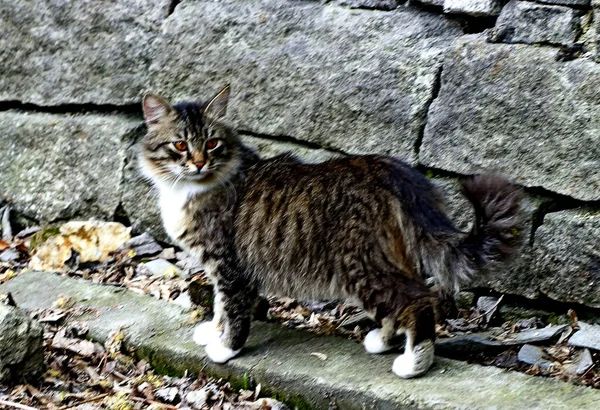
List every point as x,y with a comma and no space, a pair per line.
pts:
368,228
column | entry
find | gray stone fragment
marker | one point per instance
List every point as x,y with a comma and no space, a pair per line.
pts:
168,394
473,7
197,398
533,355
161,267
168,254
576,3
143,245
21,345
587,336
526,22
537,335
9,255
184,300
540,129
584,362
59,51
356,80
488,341
190,264
566,256
60,166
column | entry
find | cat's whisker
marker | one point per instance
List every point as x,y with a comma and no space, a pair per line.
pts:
223,180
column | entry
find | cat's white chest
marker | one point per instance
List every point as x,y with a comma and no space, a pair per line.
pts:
172,209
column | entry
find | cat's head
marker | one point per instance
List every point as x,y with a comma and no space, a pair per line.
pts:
187,142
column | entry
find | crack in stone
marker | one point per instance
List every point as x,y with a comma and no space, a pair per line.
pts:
120,213
291,140
435,91
172,6
87,108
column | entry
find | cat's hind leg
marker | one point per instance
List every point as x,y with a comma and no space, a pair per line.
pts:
419,320
382,339
400,304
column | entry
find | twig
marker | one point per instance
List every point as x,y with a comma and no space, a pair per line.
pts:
148,401
16,405
93,399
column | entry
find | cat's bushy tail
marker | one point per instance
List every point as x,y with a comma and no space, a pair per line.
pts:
496,236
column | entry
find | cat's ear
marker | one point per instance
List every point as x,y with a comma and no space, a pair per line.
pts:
155,108
217,107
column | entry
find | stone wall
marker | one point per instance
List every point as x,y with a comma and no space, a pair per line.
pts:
454,87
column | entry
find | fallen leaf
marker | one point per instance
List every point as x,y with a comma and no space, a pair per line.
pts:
92,241
79,346
319,355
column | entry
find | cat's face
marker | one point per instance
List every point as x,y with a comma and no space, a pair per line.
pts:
186,142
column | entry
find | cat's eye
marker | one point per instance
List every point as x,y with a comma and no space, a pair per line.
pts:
212,143
180,145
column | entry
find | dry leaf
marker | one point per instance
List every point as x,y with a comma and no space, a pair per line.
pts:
92,241
319,355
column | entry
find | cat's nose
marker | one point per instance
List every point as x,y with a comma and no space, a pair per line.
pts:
199,164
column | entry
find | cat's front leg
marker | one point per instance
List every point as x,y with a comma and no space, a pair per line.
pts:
226,334
212,330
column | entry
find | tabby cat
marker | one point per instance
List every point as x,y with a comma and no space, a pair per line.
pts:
367,228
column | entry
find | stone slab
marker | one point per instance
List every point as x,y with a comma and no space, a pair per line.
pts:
588,336
280,359
541,129
466,345
63,166
56,52
21,346
531,23
566,255
355,80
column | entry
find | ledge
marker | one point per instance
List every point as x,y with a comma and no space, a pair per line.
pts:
280,359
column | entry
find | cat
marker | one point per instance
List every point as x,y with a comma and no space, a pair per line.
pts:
368,228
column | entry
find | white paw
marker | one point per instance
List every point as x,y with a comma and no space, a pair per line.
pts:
404,366
205,333
416,362
219,353
373,342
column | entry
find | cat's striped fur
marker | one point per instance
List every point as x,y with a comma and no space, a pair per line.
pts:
369,228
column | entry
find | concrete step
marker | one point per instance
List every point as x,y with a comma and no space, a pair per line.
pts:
280,359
